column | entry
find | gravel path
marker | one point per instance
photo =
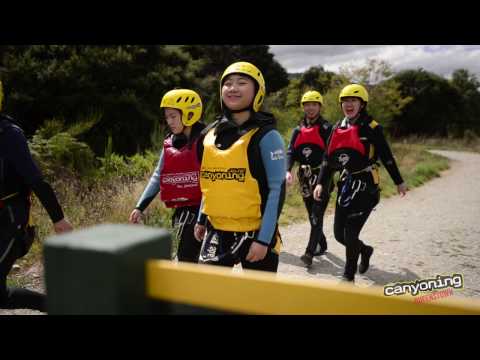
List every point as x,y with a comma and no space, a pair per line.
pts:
433,230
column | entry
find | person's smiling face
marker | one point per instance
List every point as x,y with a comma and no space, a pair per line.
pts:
238,91
351,106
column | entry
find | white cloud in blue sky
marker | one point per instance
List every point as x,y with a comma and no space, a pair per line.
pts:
440,59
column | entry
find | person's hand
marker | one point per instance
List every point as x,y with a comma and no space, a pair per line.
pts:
199,232
402,189
317,192
289,178
256,252
136,217
62,226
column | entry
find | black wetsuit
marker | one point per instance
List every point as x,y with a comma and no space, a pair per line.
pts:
359,193
18,177
312,155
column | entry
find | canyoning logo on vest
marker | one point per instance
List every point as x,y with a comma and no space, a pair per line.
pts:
307,152
180,178
343,159
237,174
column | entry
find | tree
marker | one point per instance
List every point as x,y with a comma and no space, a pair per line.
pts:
436,106
317,78
215,58
467,86
125,83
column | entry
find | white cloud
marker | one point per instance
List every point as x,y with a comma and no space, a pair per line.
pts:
440,59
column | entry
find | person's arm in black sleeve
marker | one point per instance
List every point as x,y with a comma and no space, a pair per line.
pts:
385,154
290,149
326,131
324,179
19,155
325,173
49,201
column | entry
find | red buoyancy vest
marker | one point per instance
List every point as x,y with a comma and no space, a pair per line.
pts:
310,135
347,138
179,184
345,150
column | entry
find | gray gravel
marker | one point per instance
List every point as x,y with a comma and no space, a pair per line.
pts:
433,230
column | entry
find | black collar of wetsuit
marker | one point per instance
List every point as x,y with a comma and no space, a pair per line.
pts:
363,120
256,120
318,121
227,131
180,140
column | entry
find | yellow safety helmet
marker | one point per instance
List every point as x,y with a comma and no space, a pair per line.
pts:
185,100
354,90
1,95
243,67
312,96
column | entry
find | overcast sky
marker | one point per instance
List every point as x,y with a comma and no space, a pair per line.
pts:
440,59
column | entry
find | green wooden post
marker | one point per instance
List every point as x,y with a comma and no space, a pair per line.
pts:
101,270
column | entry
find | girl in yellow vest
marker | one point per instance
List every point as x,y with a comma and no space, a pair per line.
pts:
354,147
242,177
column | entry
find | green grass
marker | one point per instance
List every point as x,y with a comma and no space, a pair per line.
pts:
470,143
86,205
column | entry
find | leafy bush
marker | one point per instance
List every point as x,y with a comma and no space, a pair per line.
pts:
57,149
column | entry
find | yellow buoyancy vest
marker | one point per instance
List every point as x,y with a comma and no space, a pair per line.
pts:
231,195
